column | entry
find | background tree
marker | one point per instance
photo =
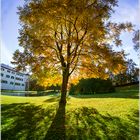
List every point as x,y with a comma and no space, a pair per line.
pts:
136,40
34,86
132,71
92,86
130,75
65,37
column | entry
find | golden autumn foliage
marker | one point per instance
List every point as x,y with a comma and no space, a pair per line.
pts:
63,38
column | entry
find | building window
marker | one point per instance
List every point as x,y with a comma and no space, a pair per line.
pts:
22,84
8,71
19,74
7,76
19,79
12,77
4,81
18,84
2,74
11,83
2,69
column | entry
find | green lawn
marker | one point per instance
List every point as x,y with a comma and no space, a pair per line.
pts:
88,117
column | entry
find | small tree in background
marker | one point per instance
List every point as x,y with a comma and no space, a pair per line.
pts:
33,86
69,39
136,40
130,75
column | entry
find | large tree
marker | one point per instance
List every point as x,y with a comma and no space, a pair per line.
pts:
69,39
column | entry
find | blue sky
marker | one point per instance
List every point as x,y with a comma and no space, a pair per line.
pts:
127,11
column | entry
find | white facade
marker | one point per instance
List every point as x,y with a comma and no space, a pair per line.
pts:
11,79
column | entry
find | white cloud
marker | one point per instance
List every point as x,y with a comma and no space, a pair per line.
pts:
126,13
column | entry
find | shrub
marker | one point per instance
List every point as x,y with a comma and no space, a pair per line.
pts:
92,86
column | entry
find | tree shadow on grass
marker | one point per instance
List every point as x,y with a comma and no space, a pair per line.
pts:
26,121
57,130
88,124
53,99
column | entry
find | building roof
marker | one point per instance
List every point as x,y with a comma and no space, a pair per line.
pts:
11,68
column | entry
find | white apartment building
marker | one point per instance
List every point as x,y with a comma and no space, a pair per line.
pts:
12,80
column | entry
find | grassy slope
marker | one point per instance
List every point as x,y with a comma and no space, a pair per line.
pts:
121,102
112,116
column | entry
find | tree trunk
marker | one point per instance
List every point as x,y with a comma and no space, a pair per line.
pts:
64,88
57,130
